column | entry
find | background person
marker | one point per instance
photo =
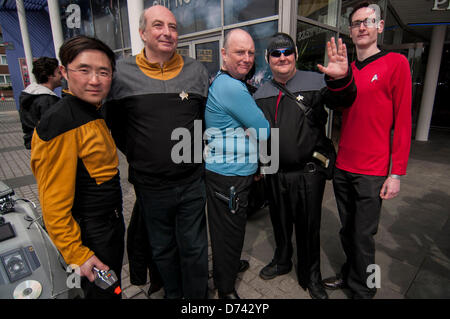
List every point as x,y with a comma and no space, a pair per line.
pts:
37,98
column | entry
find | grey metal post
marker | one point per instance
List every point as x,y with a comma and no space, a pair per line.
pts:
25,38
55,22
135,8
431,79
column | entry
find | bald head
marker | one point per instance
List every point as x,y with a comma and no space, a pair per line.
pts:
152,12
236,33
238,53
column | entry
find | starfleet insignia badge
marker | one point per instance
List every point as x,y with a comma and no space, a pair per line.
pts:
375,78
300,97
184,95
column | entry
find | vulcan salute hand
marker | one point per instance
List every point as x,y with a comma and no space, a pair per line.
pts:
337,60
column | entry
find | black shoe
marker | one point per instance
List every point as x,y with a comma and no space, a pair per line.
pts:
243,265
154,287
316,291
272,270
231,295
334,283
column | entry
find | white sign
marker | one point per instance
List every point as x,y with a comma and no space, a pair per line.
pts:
440,5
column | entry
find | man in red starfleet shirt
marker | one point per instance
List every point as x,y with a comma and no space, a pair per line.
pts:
369,162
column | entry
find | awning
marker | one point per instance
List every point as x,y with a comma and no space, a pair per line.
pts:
31,5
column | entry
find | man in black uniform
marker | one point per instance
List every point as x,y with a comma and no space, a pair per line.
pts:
153,95
296,190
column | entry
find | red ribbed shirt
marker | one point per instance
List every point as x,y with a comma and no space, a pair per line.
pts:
382,108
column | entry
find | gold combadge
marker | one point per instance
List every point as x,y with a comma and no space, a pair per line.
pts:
184,95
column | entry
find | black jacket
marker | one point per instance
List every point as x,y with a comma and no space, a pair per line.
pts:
34,101
316,92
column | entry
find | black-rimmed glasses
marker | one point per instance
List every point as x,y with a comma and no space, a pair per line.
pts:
368,22
87,73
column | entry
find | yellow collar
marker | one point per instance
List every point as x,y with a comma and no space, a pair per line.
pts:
169,70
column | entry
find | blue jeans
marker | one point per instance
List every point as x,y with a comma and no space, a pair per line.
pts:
176,225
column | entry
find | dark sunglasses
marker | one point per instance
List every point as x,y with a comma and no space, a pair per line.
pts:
277,53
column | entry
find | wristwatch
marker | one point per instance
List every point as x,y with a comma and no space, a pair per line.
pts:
395,176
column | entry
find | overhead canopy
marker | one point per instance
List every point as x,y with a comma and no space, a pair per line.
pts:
421,11
32,5
420,16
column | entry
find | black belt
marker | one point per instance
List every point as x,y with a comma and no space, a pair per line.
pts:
308,167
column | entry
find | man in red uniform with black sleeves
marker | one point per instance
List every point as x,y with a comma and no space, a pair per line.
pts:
369,162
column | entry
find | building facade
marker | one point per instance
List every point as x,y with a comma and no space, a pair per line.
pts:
40,38
415,28
5,78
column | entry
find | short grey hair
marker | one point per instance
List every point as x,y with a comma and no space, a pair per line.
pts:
142,21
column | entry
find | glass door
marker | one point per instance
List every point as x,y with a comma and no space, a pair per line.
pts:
206,51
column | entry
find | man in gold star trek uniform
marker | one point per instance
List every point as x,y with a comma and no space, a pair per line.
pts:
74,160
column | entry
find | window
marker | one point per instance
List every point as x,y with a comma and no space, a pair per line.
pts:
192,15
76,18
208,53
3,60
199,15
236,11
125,24
106,20
183,50
323,11
5,79
311,43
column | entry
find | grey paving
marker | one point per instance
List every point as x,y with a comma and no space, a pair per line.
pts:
20,181
413,239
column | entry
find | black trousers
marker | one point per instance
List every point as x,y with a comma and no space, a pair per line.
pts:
139,251
295,198
227,230
104,235
176,225
359,205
